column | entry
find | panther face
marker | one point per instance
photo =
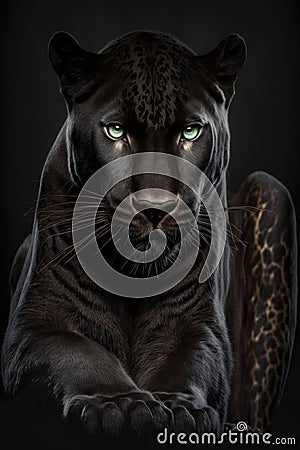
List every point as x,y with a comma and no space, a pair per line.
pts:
147,91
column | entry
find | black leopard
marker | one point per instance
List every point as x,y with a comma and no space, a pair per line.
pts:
199,354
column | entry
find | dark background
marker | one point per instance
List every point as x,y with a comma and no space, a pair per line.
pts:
264,125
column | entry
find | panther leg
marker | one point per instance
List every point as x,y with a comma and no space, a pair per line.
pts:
262,302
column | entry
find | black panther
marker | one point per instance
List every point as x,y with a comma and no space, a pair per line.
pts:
198,355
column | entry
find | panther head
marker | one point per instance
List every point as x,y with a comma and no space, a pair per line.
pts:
146,91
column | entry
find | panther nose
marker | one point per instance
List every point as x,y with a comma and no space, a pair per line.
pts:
154,208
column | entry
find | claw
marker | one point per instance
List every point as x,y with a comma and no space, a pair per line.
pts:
140,416
112,418
183,420
89,417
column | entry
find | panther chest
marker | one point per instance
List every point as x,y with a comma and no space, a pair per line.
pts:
145,340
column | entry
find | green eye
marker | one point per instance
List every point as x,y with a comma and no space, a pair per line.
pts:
115,131
191,132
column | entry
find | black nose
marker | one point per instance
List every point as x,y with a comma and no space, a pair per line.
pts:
155,209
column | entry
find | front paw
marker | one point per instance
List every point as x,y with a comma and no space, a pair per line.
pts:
190,412
137,409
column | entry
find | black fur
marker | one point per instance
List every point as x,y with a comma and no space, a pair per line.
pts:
162,360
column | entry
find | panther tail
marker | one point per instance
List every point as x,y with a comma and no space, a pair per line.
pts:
262,302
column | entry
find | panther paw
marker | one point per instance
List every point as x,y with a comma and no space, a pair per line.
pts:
138,410
190,412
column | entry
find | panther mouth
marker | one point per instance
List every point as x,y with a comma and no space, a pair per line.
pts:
137,227
139,231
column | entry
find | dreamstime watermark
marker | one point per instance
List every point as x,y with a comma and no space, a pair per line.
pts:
107,177
239,434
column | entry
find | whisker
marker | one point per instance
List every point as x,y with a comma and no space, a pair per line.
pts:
68,249
94,193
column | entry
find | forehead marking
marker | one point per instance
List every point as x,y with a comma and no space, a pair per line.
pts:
154,76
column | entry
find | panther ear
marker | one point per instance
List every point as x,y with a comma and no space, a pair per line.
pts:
71,63
224,62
